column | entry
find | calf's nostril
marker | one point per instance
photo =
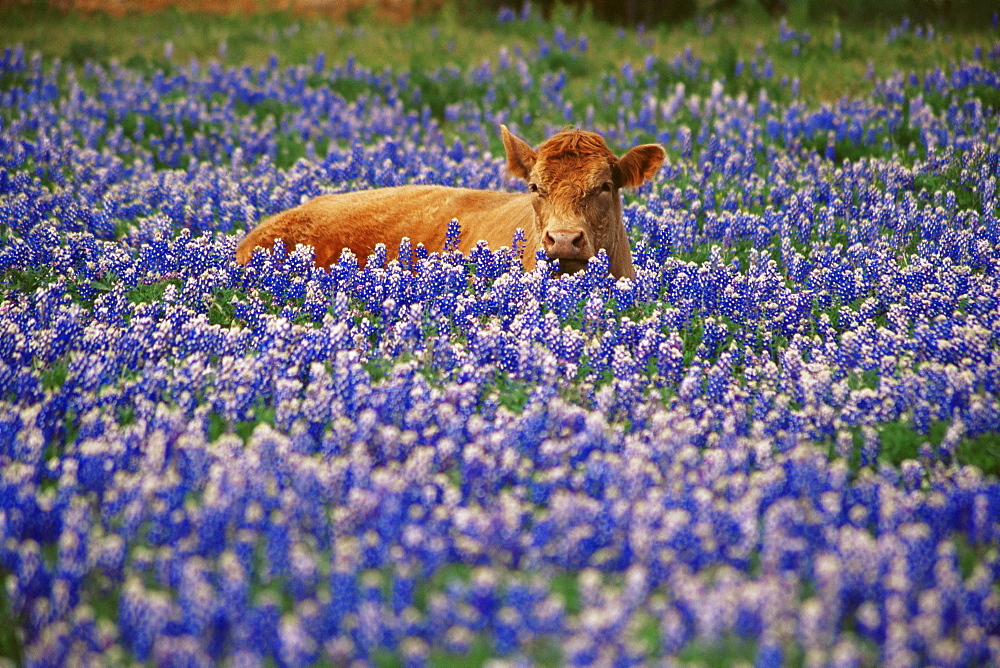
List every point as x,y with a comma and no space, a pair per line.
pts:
564,243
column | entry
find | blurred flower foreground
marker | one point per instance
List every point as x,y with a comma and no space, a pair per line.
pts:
203,463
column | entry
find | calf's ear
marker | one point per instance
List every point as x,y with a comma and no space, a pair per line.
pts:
638,165
520,157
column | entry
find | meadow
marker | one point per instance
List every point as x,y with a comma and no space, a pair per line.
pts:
778,445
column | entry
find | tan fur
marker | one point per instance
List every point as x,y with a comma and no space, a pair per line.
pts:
360,220
569,171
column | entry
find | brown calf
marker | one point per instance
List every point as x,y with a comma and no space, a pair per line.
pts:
573,210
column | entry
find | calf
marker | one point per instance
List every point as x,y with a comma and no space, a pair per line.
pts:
573,209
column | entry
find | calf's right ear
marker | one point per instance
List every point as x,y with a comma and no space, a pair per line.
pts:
520,157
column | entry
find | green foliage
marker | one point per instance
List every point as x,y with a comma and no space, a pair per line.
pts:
126,416
221,311
10,80
217,425
80,51
25,281
982,451
869,379
566,585
574,64
438,89
262,414
10,641
105,283
54,375
438,55
899,441
969,14
348,88
461,36
730,650
510,393
152,292
480,652
951,180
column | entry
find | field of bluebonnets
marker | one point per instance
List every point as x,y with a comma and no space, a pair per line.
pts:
778,444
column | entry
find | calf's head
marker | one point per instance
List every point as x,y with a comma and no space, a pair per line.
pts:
574,179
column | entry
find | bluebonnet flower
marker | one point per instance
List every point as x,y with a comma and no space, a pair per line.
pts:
459,412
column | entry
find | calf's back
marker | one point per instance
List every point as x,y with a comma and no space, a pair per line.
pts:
360,220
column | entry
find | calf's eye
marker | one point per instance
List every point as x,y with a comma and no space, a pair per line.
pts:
606,187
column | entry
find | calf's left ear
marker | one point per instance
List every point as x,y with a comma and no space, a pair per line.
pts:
638,165
520,157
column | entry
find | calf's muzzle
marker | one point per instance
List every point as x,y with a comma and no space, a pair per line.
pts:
565,245
569,247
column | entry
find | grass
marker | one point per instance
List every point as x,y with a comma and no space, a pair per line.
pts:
10,641
456,38
901,441
24,281
152,292
438,54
